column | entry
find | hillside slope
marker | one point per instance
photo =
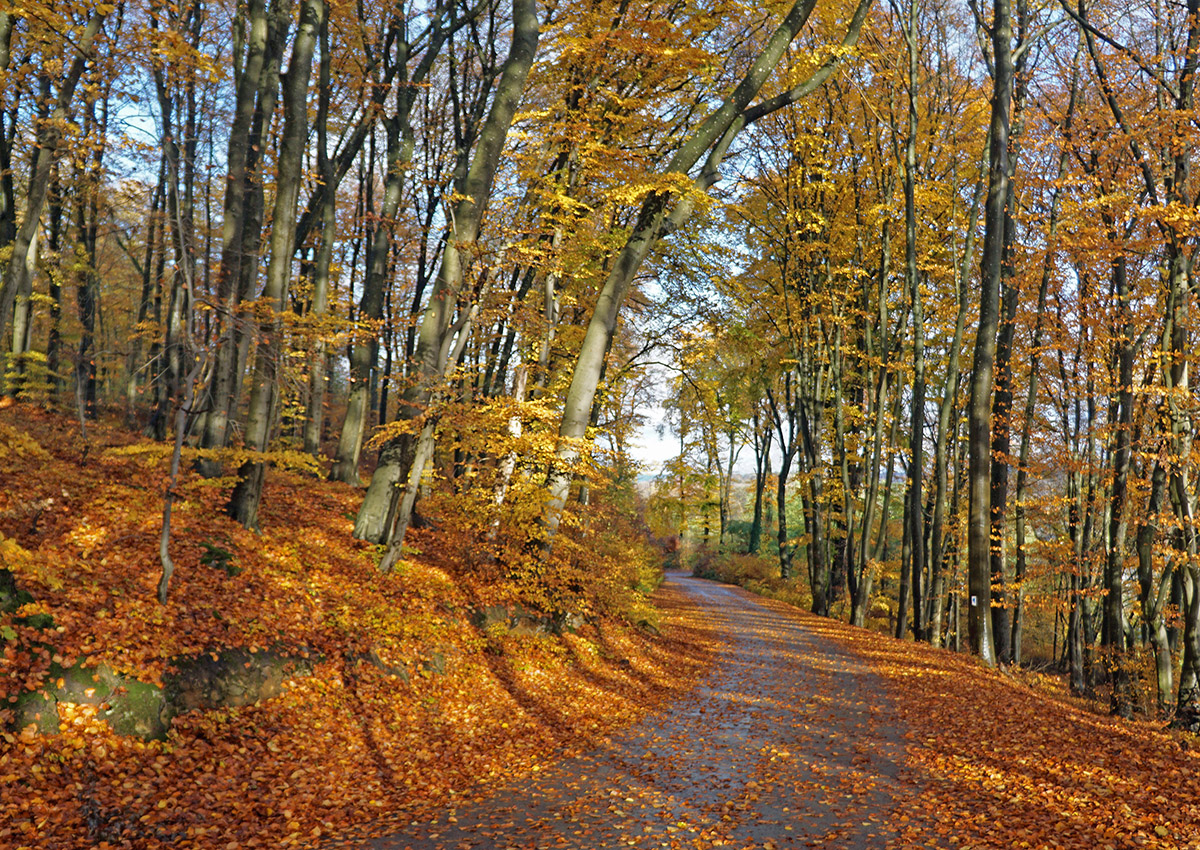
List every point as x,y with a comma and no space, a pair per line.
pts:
387,697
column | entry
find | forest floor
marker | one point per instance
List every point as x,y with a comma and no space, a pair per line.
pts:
757,717
811,733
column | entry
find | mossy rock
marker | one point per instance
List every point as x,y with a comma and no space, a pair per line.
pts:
371,657
130,706
226,679
140,709
43,622
11,596
435,663
38,708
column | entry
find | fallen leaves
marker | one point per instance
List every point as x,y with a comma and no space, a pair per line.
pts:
1003,764
351,743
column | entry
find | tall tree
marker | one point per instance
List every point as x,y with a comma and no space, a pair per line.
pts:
710,142
244,502
979,543
387,508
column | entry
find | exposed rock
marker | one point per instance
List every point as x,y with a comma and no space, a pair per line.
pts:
435,663
130,706
225,679
38,708
649,626
565,621
372,658
11,596
230,678
140,710
518,620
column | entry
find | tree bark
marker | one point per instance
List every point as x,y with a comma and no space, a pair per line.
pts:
386,511
247,494
979,620
250,87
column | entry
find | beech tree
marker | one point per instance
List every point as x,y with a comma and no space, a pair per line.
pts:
656,217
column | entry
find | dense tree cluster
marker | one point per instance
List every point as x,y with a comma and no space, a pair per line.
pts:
932,262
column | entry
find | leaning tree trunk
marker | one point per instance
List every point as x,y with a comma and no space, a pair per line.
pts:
387,506
655,219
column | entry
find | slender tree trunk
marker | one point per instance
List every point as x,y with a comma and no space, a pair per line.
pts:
945,428
54,247
1154,590
247,494
250,86
1114,564
18,276
1031,394
314,420
762,471
363,353
387,506
1001,444
979,424
914,513
8,120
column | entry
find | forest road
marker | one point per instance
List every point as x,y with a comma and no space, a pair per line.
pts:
788,742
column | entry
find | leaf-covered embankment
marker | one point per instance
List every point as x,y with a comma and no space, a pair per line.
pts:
1002,763
408,698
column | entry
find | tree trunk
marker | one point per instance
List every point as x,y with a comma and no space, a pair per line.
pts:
400,459
914,513
247,494
18,276
711,139
979,620
251,86
363,353
314,420
762,471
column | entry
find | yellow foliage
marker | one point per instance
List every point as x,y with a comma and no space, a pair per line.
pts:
15,444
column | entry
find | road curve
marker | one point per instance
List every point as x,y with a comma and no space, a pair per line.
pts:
789,742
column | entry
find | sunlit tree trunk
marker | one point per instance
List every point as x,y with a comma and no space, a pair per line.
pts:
364,352
387,506
656,218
